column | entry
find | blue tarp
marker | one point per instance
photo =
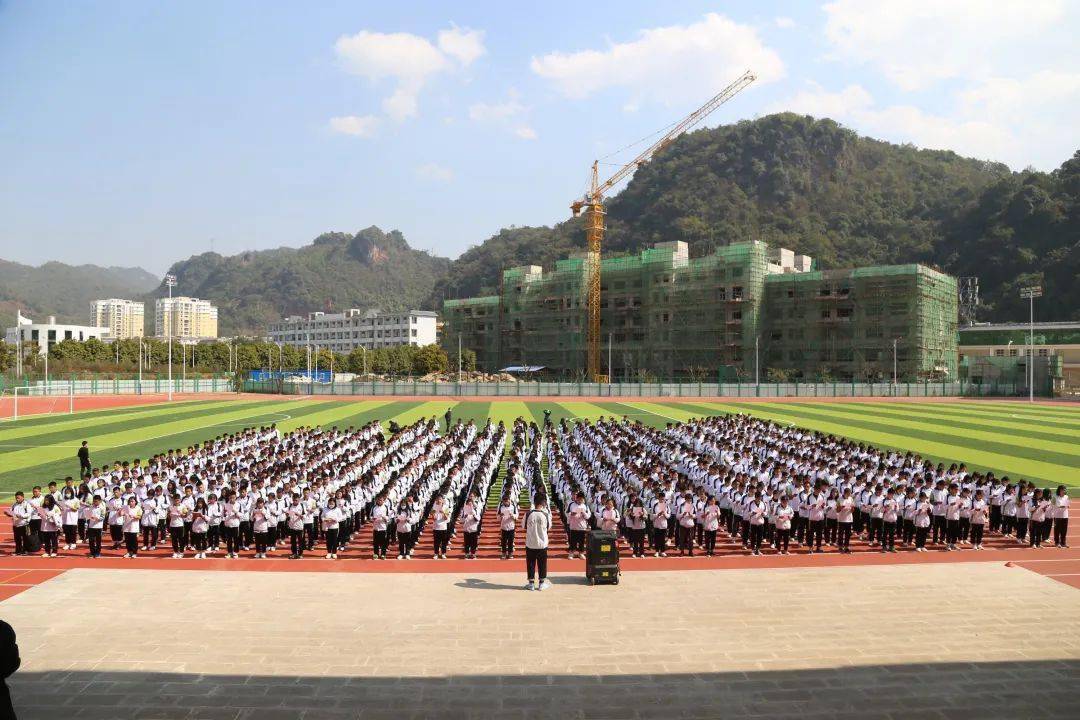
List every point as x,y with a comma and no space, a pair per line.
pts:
322,376
523,368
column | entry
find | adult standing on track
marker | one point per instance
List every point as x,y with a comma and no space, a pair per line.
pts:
85,469
537,524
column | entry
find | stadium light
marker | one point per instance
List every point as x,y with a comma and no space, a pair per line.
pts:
1030,293
170,282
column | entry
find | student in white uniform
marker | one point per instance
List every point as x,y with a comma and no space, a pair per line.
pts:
177,515
230,524
845,517
757,512
130,516
979,515
782,516
295,523
69,514
50,526
577,520
440,518
331,523
923,517
537,525
660,527
636,520
20,513
471,515
94,514
1040,513
200,527
380,522
1061,517
507,515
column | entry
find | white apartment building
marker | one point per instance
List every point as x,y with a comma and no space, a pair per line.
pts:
49,333
185,318
124,318
348,330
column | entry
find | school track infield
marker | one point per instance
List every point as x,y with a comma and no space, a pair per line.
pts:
1034,441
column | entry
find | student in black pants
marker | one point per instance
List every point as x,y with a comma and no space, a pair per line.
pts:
537,524
1061,517
783,516
94,515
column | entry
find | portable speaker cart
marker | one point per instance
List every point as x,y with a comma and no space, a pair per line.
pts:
602,558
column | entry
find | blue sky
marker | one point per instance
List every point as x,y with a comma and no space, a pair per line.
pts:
136,133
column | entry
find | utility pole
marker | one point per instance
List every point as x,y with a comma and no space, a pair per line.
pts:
894,360
458,357
139,389
170,282
757,373
609,375
1031,293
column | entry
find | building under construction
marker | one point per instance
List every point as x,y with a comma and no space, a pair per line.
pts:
743,310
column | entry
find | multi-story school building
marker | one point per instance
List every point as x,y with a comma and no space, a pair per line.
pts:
743,309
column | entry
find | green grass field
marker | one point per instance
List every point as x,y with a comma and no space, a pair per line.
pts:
1036,442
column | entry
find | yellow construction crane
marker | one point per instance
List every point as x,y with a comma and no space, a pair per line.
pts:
593,203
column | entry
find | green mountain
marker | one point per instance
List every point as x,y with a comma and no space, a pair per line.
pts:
821,189
65,291
367,270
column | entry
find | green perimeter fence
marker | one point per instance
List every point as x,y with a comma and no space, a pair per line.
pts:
583,389
58,386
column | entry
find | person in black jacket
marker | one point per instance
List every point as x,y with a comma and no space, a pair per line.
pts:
84,460
9,663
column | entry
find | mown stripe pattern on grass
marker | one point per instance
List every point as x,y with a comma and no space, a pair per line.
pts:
1036,442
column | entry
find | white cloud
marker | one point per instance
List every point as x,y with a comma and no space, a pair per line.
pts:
357,125
487,112
1019,123
508,113
916,43
435,173
408,60
462,44
665,64
784,22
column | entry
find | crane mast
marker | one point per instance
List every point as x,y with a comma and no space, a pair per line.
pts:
593,204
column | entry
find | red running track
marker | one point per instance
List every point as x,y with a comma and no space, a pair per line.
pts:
37,405
20,573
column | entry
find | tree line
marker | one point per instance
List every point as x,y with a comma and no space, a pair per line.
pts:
124,358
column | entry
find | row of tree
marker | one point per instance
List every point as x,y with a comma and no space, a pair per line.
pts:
126,357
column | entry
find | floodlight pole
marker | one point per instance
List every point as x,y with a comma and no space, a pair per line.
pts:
757,373
170,282
609,368
1031,293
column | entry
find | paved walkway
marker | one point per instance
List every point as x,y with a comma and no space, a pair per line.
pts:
973,640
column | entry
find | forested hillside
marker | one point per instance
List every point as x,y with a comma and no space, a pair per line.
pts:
371,269
821,189
65,291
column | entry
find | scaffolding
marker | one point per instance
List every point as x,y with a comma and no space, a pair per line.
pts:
731,315
858,324
475,322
